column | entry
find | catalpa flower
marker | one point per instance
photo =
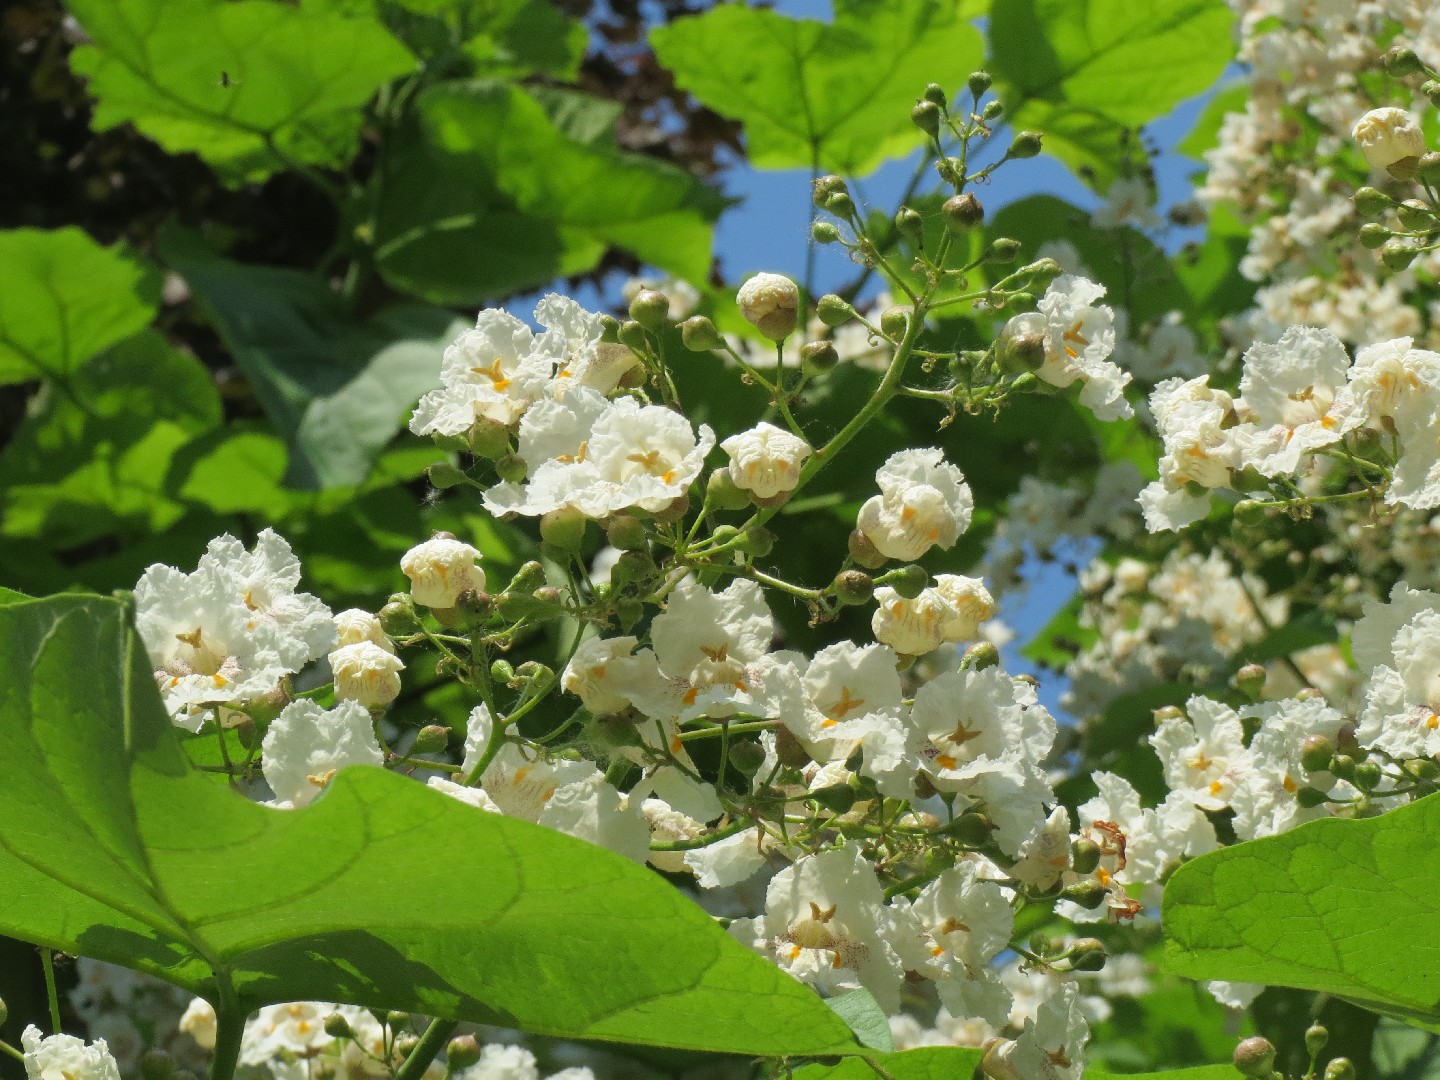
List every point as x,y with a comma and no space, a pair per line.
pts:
923,502
493,372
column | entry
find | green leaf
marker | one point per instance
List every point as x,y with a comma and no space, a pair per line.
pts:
524,37
485,193
863,1015
1343,907
955,1063
337,388
382,892
236,472
96,460
64,298
249,85
835,95
1081,71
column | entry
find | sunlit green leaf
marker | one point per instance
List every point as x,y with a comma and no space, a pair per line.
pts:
64,298
381,892
837,95
249,85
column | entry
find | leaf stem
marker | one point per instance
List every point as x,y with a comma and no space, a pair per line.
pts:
229,1030
434,1037
47,961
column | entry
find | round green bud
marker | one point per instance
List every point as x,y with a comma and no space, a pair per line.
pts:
549,595
1042,272
992,110
397,617
650,308
1255,1058
632,333
1088,894
626,533
1023,352
512,469
405,1044
4,1012
1002,250
461,1052
1315,753
757,541
529,577
1396,254
1400,60
979,82
838,798
1020,301
824,186
841,205
1309,797
1428,167
632,567
1431,89
1415,215
824,232
910,225
1425,769
908,581
337,1027
1084,855
972,828
395,1019
747,757
1316,1037
1339,1068
722,492
979,656
488,439
1342,766
852,587
1367,775
834,311
962,213
443,475
1250,511
936,93
893,321
1251,680
154,1064
1373,235
432,739
699,334
926,116
1370,201
864,552
564,528
1087,954
609,329
1026,144
818,357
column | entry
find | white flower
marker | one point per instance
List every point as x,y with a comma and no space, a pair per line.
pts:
766,460
1079,335
1387,375
772,303
64,1057
911,627
1388,135
972,602
1290,400
597,673
1128,202
306,745
971,721
501,1062
355,625
296,1029
645,456
1199,451
1052,1046
492,372
1265,800
1203,753
366,673
923,501
200,1023
731,861
440,570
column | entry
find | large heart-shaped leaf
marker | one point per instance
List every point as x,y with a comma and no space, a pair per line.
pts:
251,86
1345,907
837,95
64,298
382,892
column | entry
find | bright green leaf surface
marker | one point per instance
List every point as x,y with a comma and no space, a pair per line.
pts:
486,193
382,892
1345,907
954,1063
336,388
1081,70
64,298
866,1019
249,85
97,460
838,95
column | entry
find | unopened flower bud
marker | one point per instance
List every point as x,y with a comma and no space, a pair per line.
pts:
443,475
488,439
1316,1036
1342,766
1087,954
337,1027
909,224
841,205
853,587
757,540
540,676
979,82
440,570
1250,511
631,568
926,116
1396,254
818,357
398,615
1400,60
1026,144
529,577
609,329
1088,894
1428,168
824,232
395,1020
1370,201
1339,1068
626,533
747,757
1373,235
699,334
432,739
838,798
1309,797
972,828
366,673
864,552
1002,250
1315,753
893,321
405,1044
512,469
1388,137
502,671
1042,272
934,92
632,334
771,302
1255,1058
1426,769
461,1052
1431,89
4,1012
650,308
908,581
962,213
1367,775
825,186
979,656
992,110
1251,680
1023,352
1084,855
1415,215
564,528
834,311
